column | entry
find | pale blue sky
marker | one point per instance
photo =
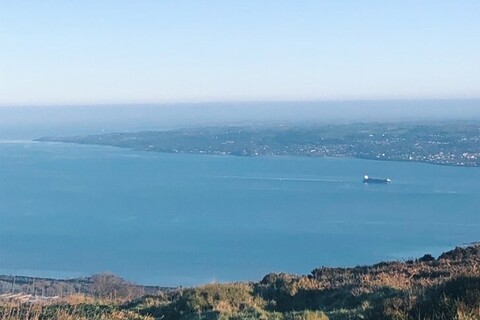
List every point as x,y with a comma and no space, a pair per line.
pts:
88,52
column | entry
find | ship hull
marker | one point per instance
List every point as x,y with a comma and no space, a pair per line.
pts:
377,181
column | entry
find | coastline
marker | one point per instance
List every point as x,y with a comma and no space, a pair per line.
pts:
40,140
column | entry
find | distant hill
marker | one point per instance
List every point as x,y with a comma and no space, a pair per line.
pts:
455,143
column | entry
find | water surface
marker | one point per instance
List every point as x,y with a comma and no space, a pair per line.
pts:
175,219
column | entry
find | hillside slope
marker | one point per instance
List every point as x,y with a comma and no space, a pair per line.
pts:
447,287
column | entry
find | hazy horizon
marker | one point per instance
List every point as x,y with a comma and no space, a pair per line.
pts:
30,122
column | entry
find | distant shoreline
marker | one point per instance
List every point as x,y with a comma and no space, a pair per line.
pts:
255,156
450,143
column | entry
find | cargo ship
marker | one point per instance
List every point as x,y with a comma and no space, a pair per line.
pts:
367,179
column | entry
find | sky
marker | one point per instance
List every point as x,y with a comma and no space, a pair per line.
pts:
115,51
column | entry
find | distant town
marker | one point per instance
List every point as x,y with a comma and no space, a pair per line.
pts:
455,143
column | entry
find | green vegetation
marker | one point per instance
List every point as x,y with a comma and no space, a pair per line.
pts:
425,288
449,143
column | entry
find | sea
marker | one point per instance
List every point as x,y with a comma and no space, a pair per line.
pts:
71,210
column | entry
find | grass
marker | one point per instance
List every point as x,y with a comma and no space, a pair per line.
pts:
423,289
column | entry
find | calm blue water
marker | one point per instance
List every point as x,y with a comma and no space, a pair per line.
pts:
69,210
